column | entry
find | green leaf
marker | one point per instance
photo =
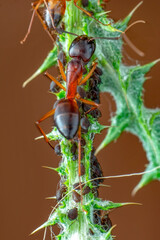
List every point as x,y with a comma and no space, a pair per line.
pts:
50,61
125,84
108,205
51,221
127,88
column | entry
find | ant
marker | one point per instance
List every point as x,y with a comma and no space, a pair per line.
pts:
66,111
54,12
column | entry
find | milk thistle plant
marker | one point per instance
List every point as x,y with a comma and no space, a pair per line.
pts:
87,217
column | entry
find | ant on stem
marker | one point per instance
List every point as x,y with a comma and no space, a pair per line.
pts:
53,14
66,111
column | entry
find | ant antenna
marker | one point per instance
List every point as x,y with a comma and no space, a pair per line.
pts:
90,15
128,41
59,30
131,45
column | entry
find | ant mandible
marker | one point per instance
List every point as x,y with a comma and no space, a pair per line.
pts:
55,10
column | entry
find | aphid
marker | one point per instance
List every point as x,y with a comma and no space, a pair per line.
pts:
98,71
82,169
84,3
81,92
86,190
76,196
62,57
61,192
96,113
74,148
76,186
85,123
52,15
57,149
73,214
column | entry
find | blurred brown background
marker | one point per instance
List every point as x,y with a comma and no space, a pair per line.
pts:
24,183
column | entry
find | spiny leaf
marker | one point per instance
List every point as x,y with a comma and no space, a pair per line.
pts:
50,61
147,178
126,85
108,205
49,222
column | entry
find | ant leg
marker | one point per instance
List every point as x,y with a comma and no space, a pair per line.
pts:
79,160
95,105
54,80
92,108
50,113
43,22
89,14
60,65
35,6
88,75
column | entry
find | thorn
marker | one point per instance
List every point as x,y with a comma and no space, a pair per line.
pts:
40,137
135,190
135,8
50,168
31,78
48,198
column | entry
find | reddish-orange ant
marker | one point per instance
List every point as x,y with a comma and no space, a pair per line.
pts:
54,12
66,112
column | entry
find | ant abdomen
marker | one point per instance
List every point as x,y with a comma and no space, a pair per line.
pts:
67,117
82,47
55,12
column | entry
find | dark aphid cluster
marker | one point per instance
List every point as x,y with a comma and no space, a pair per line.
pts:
84,3
102,219
96,217
96,170
106,222
93,93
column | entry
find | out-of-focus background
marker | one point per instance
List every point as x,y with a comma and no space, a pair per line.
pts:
24,183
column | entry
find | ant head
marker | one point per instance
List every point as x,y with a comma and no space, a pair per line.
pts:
82,47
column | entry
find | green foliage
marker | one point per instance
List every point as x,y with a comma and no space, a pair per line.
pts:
125,84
